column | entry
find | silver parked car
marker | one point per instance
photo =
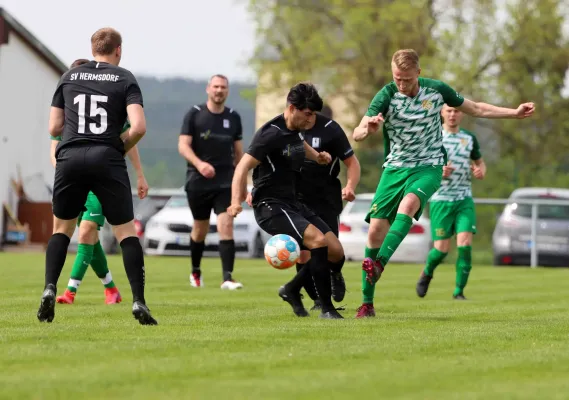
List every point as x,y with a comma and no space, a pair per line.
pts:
511,241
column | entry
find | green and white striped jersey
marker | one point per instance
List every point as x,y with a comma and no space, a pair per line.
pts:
413,125
461,147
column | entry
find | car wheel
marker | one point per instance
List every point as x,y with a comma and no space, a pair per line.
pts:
258,247
497,261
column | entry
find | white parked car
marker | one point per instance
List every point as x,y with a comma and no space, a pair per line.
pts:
353,234
168,232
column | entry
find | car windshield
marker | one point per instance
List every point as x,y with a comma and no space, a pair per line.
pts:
177,202
360,206
544,211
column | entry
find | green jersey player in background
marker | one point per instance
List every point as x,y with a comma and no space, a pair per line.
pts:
89,249
452,207
408,109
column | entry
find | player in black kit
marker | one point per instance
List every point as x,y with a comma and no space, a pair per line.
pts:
89,109
276,153
210,141
319,188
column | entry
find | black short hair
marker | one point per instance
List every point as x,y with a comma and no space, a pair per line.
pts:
327,111
305,95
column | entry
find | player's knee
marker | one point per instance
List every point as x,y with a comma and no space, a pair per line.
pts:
378,228
335,249
409,205
464,239
124,231
200,230
313,238
88,232
225,226
442,245
65,227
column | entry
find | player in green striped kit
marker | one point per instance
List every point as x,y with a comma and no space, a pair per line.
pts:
452,208
408,109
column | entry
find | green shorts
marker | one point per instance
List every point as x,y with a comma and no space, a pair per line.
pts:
451,217
94,211
396,183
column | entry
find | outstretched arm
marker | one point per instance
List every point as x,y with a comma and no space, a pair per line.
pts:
353,178
322,158
54,143
141,184
239,183
238,150
478,168
56,120
137,126
484,110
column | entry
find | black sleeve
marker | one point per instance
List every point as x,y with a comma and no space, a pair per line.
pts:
341,145
188,127
239,128
58,100
263,143
133,92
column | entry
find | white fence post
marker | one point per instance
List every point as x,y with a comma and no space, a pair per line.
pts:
533,236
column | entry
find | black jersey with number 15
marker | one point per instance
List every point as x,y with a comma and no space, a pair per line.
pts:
95,96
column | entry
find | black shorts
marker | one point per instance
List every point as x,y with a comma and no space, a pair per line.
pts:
99,169
275,218
330,218
202,202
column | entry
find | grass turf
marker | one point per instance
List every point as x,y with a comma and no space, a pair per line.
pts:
509,341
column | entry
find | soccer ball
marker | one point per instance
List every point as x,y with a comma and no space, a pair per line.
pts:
282,251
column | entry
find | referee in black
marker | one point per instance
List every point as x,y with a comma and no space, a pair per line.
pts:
211,143
319,188
89,109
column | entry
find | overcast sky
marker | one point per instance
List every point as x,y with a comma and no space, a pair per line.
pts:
191,38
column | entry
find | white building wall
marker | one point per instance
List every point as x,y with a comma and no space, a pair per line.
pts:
27,84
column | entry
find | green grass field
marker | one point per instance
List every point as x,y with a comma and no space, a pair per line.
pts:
509,341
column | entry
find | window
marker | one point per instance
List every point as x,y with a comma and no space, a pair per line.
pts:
360,206
543,211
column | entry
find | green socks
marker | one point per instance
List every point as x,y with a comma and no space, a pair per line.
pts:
90,255
367,288
99,264
82,261
399,229
434,258
463,267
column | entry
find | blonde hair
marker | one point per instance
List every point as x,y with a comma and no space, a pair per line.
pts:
105,41
406,59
